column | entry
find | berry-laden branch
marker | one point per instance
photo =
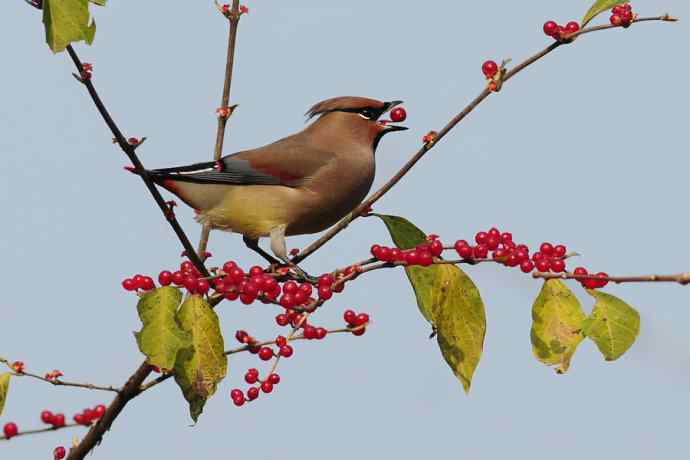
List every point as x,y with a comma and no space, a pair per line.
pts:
129,148
53,377
680,278
430,140
225,110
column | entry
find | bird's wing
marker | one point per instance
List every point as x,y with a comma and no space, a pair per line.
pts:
287,162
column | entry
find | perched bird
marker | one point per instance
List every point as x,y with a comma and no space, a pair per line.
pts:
300,184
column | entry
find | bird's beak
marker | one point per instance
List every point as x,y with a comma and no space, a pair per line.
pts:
387,107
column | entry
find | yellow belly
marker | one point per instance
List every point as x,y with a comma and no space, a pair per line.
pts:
254,210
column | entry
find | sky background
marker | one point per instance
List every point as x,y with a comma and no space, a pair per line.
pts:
584,148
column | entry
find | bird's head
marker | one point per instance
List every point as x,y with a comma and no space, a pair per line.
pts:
360,116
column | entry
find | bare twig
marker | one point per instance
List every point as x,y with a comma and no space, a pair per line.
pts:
129,150
234,19
358,211
42,430
680,278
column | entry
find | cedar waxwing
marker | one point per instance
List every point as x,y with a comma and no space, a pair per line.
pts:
301,184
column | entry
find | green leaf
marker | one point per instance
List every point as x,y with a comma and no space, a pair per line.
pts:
161,337
613,325
4,388
557,322
599,7
200,368
67,21
460,322
449,300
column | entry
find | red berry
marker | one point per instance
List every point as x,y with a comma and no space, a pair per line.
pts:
412,257
252,393
274,379
267,387
581,271
489,68
526,266
542,265
551,28
326,280
559,251
359,332
557,265
58,420
572,27
546,249
425,258
282,320
186,267
165,278
59,453
236,393
309,332
615,20
350,316
47,417
321,333
265,353
506,236
228,266
325,292
436,248
361,319
242,336
287,301
99,411
286,351
480,251
129,285
492,242
80,419
178,278
463,249
251,377
236,275
626,18
481,237
280,341
201,286
244,9
398,114
10,430
601,279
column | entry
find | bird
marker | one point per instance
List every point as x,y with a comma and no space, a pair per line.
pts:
300,184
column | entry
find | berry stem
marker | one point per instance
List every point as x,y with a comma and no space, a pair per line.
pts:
57,382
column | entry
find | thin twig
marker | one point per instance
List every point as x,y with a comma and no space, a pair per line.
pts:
340,226
57,381
42,430
129,150
680,278
234,19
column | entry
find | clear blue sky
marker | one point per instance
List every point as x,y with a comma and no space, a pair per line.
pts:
584,148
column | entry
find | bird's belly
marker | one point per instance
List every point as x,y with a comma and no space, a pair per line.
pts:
252,210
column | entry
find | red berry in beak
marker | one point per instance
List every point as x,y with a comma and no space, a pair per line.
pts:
398,114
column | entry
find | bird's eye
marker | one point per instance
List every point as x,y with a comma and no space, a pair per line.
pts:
368,113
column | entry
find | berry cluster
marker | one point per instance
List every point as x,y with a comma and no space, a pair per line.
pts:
136,282
88,415
622,15
356,322
559,32
56,420
600,281
252,378
18,367
422,255
53,375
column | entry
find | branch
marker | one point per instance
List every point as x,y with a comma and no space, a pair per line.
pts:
234,19
129,150
358,211
42,430
129,391
681,278
57,382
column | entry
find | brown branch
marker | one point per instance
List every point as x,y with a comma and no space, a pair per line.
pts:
129,150
94,436
358,211
681,278
234,19
42,430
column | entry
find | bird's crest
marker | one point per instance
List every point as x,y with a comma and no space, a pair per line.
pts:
343,103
